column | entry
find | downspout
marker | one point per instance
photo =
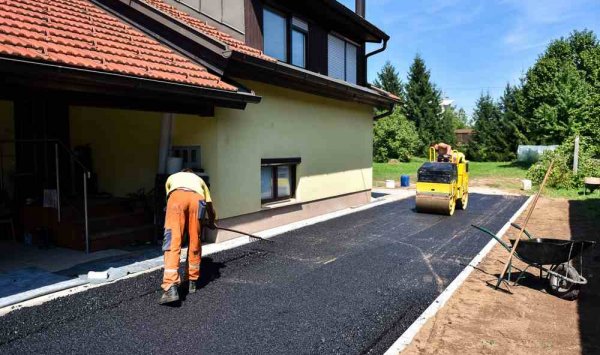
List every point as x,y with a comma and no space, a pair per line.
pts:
166,134
391,108
385,41
385,113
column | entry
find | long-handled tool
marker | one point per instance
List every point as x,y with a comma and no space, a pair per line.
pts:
244,233
516,243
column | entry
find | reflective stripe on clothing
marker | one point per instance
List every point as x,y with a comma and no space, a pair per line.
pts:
182,211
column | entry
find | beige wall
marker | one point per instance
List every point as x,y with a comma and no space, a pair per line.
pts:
202,131
333,138
124,146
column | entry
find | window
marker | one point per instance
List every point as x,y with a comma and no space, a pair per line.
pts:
342,59
190,155
299,34
275,35
278,179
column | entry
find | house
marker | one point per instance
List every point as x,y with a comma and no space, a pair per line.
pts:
267,100
463,136
446,103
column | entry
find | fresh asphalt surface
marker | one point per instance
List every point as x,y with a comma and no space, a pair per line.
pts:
353,284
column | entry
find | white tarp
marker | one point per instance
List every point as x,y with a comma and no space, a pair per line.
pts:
532,153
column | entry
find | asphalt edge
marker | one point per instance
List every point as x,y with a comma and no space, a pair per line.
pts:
409,334
47,294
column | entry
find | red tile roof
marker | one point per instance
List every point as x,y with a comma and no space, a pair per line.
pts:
203,27
77,33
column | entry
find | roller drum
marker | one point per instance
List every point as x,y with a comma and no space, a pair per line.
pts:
435,204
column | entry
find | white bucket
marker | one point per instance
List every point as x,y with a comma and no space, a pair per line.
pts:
390,184
526,184
174,165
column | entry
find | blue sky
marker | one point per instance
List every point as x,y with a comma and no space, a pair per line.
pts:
474,46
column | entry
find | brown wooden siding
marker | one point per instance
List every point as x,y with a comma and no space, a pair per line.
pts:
361,73
253,19
317,49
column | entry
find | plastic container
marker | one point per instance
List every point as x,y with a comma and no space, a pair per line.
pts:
174,165
404,181
526,184
390,184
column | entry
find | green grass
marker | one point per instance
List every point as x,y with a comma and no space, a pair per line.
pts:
575,194
501,175
384,171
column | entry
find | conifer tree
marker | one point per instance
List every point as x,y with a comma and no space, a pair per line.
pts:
389,80
487,142
423,104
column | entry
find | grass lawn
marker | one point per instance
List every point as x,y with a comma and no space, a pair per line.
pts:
477,170
500,175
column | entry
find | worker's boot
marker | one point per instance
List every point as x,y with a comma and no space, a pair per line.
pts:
192,288
169,296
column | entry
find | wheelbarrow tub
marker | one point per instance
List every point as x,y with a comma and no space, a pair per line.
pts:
548,251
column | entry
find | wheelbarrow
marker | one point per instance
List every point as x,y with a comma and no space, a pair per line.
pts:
564,280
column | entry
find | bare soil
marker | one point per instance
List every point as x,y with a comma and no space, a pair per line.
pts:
478,319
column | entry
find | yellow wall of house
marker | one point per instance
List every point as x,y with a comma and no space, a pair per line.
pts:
202,131
124,146
332,137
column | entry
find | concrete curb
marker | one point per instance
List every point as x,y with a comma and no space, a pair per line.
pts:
407,337
44,294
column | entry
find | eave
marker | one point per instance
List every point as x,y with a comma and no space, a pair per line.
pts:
20,78
292,77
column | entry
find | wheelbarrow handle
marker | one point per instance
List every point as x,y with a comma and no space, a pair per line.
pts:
498,239
524,230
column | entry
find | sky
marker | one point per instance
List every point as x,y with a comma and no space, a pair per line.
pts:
473,46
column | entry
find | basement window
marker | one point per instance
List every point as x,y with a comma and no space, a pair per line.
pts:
278,179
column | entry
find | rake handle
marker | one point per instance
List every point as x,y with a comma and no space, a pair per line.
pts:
529,213
243,233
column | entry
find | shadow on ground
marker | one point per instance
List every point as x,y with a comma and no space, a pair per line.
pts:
378,194
209,272
516,164
583,221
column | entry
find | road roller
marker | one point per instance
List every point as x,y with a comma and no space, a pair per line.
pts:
443,181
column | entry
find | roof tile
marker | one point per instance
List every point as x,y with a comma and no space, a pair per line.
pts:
80,34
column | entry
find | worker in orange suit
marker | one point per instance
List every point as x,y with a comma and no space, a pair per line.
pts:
187,198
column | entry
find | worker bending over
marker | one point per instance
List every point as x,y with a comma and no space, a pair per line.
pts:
187,197
444,152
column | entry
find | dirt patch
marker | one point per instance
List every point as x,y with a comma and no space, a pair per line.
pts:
478,319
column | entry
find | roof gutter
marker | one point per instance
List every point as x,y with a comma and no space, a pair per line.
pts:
144,83
386,113
291,74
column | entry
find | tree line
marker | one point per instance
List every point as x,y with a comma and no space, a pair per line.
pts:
419,120
556,99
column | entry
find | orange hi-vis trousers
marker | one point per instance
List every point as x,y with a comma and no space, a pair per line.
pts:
182,211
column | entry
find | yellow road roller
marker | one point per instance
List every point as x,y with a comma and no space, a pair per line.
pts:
443,182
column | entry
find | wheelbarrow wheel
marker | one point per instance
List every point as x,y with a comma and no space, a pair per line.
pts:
562,288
